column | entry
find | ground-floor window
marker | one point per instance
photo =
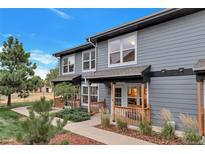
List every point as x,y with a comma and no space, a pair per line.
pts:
94,94
129,94
134,95
85,94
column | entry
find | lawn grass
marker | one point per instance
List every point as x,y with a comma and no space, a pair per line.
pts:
15,105
9,124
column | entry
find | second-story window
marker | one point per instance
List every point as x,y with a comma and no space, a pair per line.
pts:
122,51
88,60
68,64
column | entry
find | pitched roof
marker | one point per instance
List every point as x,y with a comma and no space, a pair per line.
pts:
150,20
117,72
147,21
75,49
200,65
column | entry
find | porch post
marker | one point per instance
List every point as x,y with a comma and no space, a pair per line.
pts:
143,100
200,122
89,97
113,100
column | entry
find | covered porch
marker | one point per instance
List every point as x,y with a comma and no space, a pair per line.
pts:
199,69
128,92
74,101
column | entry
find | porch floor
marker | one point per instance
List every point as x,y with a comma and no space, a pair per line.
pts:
87,129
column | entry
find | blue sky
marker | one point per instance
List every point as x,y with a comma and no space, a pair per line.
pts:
45,31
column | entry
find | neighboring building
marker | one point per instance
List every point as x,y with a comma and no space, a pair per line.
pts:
142,66
45,89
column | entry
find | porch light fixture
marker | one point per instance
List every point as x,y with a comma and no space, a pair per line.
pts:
163,71
133,42
181,69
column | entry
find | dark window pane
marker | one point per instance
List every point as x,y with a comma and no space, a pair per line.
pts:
65,61
92,55
118,92
85,99
94,90
129,55
132,101
65,69
118,101
85,90
93,64
115,58
86,65
71,68
86,56
94,98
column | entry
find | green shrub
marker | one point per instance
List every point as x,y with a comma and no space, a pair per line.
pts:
38,129
191,137
74,115
168,131
42,105
64,142
145,128
19,137
121,124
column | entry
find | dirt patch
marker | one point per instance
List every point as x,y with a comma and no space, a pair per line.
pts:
154,138
32,97
74,139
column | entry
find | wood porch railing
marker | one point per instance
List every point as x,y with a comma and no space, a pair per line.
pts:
58,102
133,115
96,106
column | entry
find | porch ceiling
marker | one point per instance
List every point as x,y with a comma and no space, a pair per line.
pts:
67,78
119,73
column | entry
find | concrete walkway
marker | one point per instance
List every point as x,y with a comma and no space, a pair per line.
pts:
87,129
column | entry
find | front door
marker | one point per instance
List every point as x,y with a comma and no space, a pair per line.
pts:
118,96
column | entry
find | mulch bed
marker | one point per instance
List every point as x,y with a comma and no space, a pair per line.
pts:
73,139
155,138
9,142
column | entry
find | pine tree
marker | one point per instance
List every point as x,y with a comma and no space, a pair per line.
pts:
16,71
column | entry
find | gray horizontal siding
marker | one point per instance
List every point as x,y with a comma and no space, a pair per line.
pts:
78,63
177,94
174,44
170,45
102,57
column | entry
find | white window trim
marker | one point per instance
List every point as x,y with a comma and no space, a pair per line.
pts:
122,93
121,50
68,67
86,85
89,70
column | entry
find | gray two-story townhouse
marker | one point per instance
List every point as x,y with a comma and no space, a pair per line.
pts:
143,66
